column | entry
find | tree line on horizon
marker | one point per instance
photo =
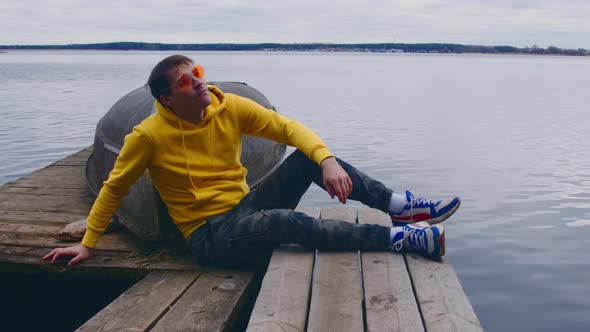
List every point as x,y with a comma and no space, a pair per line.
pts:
328,47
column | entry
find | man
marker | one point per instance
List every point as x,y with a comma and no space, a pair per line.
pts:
191,148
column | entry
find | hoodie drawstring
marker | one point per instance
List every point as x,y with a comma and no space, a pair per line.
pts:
186,157
211,143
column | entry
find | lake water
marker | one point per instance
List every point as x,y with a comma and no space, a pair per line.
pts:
505,133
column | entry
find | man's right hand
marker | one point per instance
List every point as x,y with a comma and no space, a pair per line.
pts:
336,181
79,252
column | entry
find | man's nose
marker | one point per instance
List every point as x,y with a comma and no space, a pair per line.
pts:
196,81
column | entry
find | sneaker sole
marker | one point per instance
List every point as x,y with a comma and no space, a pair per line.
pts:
441,242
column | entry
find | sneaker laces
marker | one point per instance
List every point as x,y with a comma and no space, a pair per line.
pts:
419,202
424,201
416,235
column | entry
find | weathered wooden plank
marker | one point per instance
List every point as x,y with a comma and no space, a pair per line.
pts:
73,204
34,253
390,304
19,227
81,154
212,303
99,259
120,240
85,152
41,191
71,162
441,298
39,252
74,173
76,159
27,198
336,300
44,181
143,304
33,217
282,303
100,265
68,233
58,224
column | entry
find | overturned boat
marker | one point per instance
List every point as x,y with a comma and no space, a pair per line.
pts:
143,212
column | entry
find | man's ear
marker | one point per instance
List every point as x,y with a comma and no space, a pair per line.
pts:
165,100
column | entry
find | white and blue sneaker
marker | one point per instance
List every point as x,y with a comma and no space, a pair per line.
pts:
425,239
420,209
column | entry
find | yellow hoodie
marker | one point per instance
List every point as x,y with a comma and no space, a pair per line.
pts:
196,167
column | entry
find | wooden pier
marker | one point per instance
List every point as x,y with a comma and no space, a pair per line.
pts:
305,290
302,289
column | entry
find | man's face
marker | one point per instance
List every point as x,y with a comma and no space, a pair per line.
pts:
187,90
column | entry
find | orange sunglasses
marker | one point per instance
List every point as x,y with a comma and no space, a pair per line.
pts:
185,79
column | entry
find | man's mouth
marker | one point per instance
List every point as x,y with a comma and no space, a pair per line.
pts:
201,89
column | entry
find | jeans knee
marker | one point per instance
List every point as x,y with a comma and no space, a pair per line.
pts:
300,157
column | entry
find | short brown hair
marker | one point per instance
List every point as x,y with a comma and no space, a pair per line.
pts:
158,81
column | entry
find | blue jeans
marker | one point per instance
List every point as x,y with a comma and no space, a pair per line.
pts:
264,218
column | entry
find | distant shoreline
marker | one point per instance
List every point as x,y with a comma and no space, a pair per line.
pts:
7,51
312,47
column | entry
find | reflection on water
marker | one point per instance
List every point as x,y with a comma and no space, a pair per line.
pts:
577,223
506,133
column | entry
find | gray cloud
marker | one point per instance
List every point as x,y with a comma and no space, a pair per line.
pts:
494,22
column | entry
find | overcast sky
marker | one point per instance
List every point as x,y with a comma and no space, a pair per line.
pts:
561,23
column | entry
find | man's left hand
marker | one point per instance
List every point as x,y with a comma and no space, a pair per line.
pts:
336,180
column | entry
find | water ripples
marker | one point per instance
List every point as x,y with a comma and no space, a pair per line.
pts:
506,134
